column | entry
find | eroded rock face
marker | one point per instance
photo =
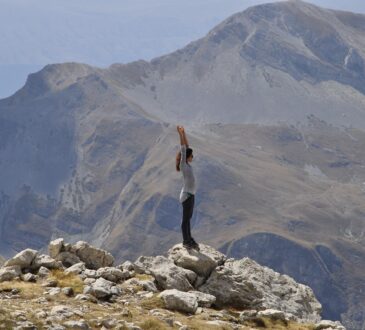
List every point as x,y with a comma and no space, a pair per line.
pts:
202,262
166,273
245,284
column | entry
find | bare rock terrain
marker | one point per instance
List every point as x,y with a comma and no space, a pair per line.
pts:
84,299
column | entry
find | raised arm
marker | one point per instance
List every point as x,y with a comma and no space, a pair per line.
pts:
183,139
184,145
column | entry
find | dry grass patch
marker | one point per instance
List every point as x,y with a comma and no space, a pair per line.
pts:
6,320
27,290
144,277
153,302
153,324
67,280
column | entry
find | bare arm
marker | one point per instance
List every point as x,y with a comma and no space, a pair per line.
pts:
184,145
183,139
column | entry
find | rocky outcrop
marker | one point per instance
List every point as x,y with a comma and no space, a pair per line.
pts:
245,284
187,281
93,258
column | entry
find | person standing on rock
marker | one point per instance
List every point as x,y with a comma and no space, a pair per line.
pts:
187,194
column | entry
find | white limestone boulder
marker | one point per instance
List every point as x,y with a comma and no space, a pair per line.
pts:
101,289
201,262
180,301
166,273
112,274
204,299
94,258
23,259
10,273
329,325
44,260
55,247
76,268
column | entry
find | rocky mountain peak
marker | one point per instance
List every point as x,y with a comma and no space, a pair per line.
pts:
186,281
53,77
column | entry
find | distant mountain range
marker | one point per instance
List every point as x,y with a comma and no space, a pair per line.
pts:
273,102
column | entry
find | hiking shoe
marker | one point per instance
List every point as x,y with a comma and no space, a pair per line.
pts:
195,245
188,246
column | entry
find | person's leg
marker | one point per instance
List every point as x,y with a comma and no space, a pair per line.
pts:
186,220
191,209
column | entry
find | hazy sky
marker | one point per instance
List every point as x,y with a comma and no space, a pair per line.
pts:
101,32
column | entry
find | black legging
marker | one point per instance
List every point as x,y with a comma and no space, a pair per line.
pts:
188,206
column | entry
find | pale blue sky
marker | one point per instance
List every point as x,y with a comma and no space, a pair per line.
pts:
101,32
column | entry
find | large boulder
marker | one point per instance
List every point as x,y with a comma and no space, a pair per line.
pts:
9,273
178,300
93,257
112,274
202,262
102,288
166,273
245,284
23,259
44,260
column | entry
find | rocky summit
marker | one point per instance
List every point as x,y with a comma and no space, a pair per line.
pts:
77,286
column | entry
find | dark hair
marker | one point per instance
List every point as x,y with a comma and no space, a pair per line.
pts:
189,152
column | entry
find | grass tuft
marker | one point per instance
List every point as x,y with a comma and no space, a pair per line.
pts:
153,324
153,302
67,280
144,277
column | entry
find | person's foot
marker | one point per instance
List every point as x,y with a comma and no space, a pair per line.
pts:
188,245
194,244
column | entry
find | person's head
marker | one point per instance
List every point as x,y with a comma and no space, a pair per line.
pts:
189,158
189,155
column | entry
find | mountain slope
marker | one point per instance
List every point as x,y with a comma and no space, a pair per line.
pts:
275,62
88,153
